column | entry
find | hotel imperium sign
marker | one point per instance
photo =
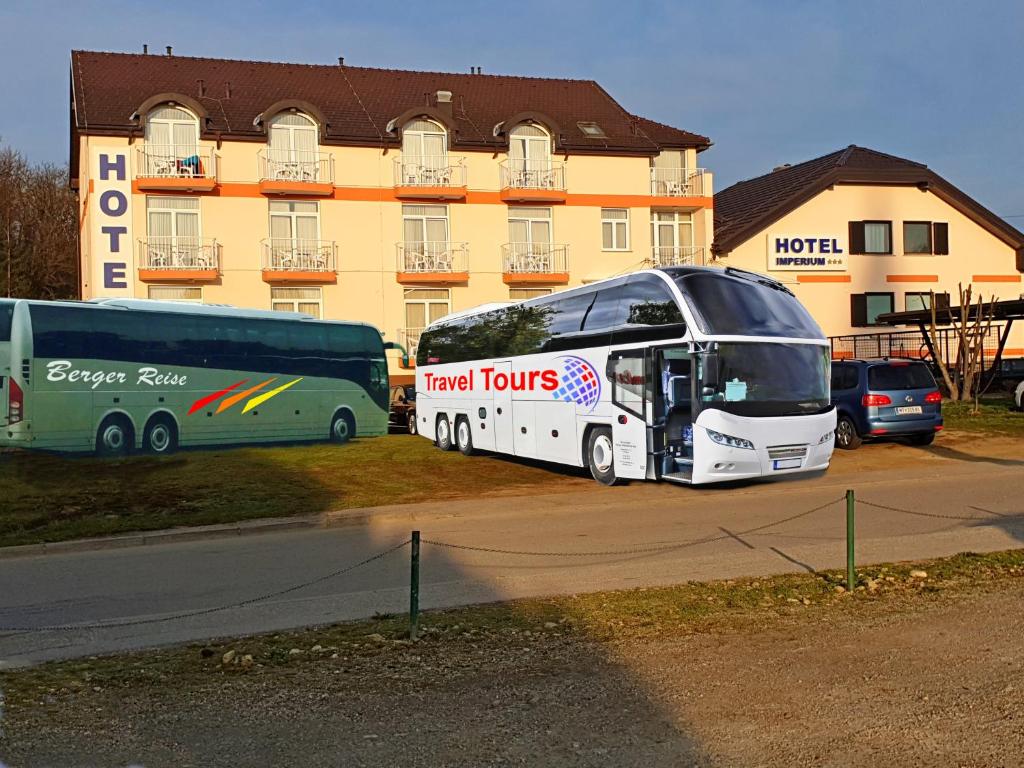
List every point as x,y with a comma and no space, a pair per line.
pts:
806,252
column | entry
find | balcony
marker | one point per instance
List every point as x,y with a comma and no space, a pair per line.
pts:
677,255
680,182
433,262
179,259
409,338
433,178
533,263
287,172
176,168
541,181
294,260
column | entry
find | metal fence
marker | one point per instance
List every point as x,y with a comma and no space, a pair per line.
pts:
910,344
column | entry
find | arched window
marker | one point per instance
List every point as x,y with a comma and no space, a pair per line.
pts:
426,141
294,147
529,148
171,132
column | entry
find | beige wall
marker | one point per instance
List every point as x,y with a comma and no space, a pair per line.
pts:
367,229
973,253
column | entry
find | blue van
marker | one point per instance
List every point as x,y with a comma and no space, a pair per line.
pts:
885,398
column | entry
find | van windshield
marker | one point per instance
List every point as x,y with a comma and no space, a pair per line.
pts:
900,376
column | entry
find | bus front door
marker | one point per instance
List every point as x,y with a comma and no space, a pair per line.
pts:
628,373
502,408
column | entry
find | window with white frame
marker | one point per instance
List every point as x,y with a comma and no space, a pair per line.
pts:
529,234
295,236
293,148
422,307
171,132
185,293
173,238
424,148
615,229
309,301
529,149
671,237
522,294
425,246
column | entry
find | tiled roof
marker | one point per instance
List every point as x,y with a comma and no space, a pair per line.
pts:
746,208
356,103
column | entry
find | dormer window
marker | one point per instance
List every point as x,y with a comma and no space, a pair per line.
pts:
293,154
172,141
529,149
425,142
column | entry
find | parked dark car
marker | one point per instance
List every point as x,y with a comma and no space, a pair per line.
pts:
885,398
403,407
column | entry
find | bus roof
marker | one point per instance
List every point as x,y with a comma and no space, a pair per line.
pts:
181,307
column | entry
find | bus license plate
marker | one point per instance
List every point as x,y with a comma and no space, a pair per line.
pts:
908,409
786,463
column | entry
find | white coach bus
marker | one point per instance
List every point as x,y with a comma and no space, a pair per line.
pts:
689,374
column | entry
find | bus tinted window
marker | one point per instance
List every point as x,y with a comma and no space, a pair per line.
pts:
646,300
6,317
566,315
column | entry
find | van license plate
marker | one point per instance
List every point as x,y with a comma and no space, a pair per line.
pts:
787,463
908,409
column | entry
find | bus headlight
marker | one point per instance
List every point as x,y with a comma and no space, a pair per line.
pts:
828,436
729,440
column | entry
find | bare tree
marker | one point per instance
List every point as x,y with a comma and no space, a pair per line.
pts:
963,377
38,230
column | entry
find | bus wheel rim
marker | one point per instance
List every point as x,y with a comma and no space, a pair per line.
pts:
602,454
341,428
113,437
463,434
160,438
442,431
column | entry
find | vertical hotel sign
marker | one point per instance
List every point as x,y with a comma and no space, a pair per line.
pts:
111,230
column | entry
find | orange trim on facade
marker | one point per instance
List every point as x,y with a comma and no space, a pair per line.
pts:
823,278
433,278
996,278
534,195
911,278
538,278
390,195
268,187
174,184
431,193
178,275
296,276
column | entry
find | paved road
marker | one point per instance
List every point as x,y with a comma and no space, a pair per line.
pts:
718,533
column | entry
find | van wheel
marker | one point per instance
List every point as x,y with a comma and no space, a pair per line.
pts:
925,438
464,437
161,435
600,456
343,427
115,437
444,434
411,424
846,434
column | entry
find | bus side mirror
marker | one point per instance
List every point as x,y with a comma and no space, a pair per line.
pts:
709,373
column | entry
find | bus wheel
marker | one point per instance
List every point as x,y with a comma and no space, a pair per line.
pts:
464,437
161,435
600,455
343,427
444,434
411,423
115,436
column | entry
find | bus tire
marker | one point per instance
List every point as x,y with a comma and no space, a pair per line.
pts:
161,435
464,436
443,432
343,427
115,436
600,455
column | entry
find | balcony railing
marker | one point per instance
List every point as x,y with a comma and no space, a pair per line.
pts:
409,338
178,254
302,167
178,164
298,255
438,171
679,182
677,255
539,175
432,257
534,259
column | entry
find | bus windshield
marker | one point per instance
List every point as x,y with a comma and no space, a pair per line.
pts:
725,305
770,379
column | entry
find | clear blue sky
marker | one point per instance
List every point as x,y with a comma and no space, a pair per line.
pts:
769,82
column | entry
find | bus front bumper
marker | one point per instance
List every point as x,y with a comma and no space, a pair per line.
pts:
783,445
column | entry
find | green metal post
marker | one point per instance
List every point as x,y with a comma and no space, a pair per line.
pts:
851,574
414,588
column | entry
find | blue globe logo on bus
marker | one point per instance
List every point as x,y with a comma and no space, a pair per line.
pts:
578,382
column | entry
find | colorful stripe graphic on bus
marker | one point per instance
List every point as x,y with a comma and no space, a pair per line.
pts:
580,383
236,398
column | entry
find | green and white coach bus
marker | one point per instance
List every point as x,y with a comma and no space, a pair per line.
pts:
119,375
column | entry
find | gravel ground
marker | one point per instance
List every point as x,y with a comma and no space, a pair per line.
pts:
923,682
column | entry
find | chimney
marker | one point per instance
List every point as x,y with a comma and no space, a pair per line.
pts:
145,48
341,61
227,90
202,88
782,167
479,70
444,102
170,50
